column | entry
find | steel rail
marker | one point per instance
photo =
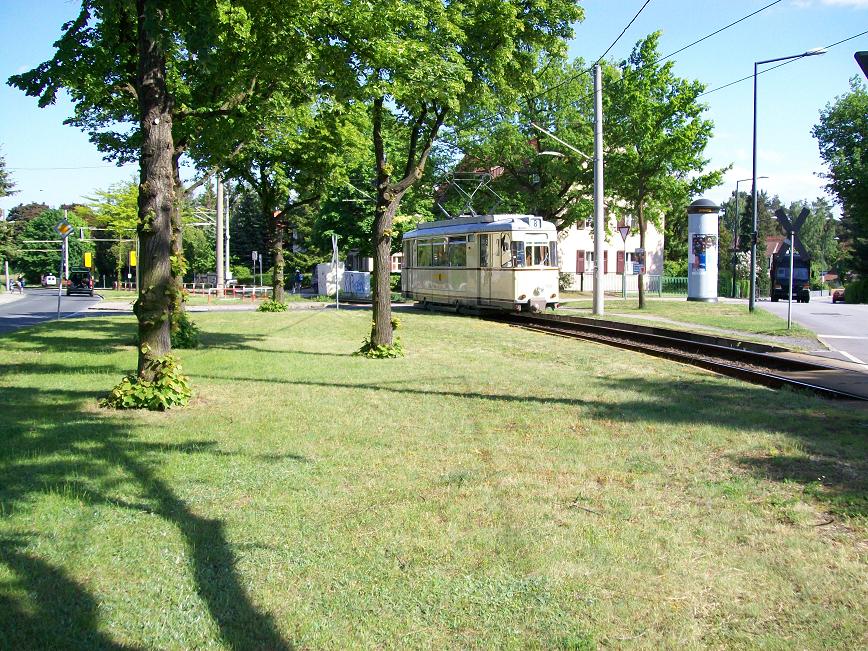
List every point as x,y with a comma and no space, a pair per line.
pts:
729,360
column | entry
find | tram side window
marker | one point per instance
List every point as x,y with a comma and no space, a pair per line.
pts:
483,251
423,254
457,251
440,253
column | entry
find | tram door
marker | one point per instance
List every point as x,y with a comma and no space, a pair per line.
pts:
484,283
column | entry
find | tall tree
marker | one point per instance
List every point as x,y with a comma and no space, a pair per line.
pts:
423,62
842,134
36,263
533,173
7,186
656,139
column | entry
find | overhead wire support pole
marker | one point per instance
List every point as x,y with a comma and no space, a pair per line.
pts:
598,190
754,234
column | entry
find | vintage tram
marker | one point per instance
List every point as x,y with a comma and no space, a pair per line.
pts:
506,262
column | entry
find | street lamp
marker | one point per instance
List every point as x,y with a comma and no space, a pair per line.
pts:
736,224
756,64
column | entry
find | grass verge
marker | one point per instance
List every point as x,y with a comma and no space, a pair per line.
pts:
493,488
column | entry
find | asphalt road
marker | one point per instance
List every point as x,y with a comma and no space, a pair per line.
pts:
38,305
841,327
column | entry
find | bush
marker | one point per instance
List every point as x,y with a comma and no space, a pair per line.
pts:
272,306
676,268
395,282
185,333
856,291
168,389
565,281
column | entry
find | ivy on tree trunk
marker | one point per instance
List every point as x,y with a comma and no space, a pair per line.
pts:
156,195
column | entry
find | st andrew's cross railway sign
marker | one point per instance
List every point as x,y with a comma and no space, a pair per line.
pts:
793,228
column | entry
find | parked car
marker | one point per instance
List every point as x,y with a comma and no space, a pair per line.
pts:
838,296
80,282
49,280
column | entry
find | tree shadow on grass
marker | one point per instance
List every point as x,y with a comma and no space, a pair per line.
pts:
63,616
50,444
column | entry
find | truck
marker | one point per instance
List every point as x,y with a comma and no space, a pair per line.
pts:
780,277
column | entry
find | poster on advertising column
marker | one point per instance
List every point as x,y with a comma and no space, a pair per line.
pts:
700,246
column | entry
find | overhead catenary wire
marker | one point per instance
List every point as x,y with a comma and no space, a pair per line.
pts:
762,72
663,58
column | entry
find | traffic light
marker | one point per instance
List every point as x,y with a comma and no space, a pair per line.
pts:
862,60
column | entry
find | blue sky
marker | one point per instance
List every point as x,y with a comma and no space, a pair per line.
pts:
56,164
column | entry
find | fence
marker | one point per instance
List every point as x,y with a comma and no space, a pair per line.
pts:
252,292
614,283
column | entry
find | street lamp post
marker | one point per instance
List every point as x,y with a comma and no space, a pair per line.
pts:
809,53
735,229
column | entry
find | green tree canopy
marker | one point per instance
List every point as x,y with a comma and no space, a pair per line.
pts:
842,134
34,260
655,137
7,186
421,63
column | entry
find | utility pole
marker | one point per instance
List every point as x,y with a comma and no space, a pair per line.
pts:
221,279
599,232
228,273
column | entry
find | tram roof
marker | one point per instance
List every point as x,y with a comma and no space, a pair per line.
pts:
479,224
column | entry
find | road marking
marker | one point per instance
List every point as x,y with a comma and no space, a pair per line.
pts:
851,357
839,337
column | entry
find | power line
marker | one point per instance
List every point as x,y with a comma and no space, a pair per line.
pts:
40,169
718,31
762,72
623,31
689,45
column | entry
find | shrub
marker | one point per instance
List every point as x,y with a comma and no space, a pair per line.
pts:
185,333
565,281
856,291
168,389
395,282
272,306
382,352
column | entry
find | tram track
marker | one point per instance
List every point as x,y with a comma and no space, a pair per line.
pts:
755,363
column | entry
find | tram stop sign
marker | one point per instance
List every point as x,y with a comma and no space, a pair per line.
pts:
64,228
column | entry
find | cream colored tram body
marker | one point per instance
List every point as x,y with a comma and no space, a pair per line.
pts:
506,262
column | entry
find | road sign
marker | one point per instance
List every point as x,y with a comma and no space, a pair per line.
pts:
88,259
132,258
793,227
625,231
63,227
255,255
862,60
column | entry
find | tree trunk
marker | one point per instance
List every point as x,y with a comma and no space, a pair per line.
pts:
381,327
278,232
179,262
641,279
156,195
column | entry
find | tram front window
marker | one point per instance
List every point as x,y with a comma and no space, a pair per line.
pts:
532,254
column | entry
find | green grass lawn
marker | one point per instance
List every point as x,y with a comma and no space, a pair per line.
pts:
731,316
494,488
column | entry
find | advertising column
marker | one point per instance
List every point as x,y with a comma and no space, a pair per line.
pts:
702,250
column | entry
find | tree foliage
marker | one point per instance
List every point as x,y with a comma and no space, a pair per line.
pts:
842,134
7,185
533,173
413,65
35,263
655,138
